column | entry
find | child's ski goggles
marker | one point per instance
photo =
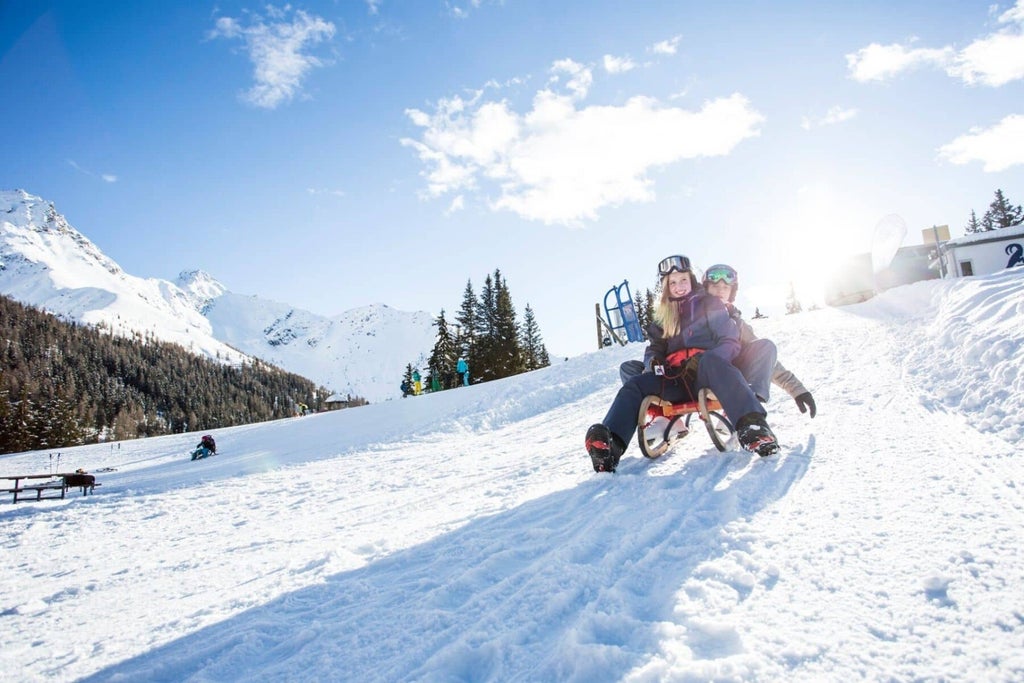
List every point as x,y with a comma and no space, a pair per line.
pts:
673,264
720,274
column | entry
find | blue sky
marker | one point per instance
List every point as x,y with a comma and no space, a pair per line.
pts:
335,154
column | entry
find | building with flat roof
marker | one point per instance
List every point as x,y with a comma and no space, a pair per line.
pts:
982,253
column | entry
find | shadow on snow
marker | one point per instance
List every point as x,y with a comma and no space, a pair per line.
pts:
570,586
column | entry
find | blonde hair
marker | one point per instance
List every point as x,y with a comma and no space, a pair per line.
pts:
666,313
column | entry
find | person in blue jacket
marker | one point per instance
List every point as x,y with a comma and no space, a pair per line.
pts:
463,369
692,345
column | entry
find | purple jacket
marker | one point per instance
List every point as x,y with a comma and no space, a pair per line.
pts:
704,323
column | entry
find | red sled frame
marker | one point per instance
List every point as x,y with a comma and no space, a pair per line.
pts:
662,423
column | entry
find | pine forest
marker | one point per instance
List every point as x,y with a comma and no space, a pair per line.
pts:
64,384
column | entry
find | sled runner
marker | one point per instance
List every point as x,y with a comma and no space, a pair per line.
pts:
661,424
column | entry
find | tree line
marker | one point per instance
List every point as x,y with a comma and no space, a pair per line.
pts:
1000,214
64,384
487,335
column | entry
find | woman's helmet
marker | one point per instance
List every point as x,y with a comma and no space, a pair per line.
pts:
723,273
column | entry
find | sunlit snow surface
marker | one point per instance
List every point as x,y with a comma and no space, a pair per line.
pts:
463,536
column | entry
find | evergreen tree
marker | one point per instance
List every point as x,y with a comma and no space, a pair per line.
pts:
6,428
987,222
1002,214
20,424
534,354
465,338
507,353
444,356
792,303
57,425
642,315
482,356
648,310
407,378
973,226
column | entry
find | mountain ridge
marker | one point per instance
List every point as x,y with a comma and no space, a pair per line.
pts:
47,263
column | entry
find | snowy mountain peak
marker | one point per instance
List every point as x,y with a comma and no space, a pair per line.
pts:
33,228
201,288
46,263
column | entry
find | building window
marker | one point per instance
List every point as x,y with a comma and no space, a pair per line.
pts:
966,269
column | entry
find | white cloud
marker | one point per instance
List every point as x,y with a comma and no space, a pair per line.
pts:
373,6
833,116
666,47
881,62
561,162
618,65
278,51
314,191
105,177
457,204
580,76
998,147
461,11
993,60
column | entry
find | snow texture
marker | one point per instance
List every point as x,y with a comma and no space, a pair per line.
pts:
462,536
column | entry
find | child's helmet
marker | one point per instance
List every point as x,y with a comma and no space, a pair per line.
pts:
723,273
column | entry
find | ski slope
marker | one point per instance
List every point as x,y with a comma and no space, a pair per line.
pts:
463,536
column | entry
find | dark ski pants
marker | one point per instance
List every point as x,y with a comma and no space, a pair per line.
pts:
756,362
721,376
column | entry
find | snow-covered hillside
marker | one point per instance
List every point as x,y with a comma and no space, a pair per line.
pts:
463,536
45,262
363,351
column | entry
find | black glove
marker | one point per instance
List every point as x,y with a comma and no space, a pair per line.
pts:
805,401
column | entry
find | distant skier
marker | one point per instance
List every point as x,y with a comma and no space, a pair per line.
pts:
463,369
205,448
416,382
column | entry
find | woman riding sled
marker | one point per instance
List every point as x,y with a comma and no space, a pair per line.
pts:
692,345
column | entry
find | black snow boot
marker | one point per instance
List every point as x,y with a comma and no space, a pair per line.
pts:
755,435
604,448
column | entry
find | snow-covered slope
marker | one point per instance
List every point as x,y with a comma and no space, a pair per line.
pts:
45,262
463,536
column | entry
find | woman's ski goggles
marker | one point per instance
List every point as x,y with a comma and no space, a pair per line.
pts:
720,274
673,264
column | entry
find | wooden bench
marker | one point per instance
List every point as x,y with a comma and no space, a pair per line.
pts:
68,480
